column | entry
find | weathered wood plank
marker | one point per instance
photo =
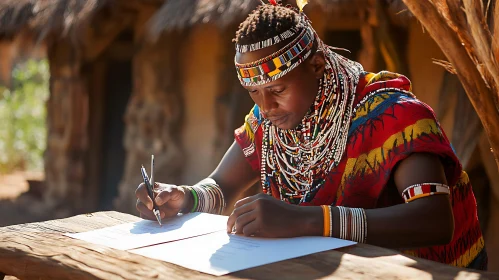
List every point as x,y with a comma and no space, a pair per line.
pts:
80,223
30,255
39,249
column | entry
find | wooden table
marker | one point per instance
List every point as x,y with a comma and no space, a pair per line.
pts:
40,251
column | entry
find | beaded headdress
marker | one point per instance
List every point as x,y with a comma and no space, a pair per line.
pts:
281,62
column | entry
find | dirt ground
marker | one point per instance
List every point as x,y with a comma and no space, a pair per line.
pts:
13,197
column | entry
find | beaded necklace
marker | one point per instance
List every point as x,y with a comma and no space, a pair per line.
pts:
297,161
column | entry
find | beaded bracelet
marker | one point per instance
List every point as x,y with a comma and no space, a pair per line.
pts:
195,196
353,224
208,197
422,190
328,221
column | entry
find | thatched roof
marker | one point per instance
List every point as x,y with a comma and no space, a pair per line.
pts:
179,14
66,16
43,16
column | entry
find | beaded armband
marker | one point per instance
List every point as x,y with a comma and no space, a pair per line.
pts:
422,190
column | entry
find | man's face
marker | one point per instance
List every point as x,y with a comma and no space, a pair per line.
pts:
286,100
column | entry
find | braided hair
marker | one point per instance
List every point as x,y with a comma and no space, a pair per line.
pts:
265,22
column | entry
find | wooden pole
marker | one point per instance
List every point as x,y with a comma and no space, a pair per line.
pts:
67,118
155,112
445,22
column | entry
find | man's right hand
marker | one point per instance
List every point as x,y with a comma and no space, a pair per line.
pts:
169,198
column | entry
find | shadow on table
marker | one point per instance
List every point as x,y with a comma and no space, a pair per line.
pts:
360,262
152,226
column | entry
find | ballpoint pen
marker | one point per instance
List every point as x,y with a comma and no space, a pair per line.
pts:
151,194
151,179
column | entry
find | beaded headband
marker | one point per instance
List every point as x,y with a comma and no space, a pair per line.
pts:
268,42
278,64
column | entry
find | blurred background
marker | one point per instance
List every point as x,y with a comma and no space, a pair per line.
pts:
89,89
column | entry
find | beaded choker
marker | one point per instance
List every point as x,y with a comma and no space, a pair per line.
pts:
278,64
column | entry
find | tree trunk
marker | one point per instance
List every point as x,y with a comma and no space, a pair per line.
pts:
460,30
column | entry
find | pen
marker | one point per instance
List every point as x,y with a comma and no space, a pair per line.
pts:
151,179
151,194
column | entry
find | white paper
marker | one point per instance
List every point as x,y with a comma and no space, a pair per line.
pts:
220,253
145,233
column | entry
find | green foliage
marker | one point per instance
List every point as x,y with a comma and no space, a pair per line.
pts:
23,130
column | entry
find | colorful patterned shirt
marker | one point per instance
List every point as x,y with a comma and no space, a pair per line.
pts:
389,124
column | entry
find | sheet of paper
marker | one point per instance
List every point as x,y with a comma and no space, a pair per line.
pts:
220,253
145,233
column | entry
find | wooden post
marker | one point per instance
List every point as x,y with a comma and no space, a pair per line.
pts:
67,117
380,48
154,117
6,56
369,54
96,76
388,42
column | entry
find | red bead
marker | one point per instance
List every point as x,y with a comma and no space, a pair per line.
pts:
273,2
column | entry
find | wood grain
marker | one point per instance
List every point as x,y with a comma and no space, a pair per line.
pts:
40,251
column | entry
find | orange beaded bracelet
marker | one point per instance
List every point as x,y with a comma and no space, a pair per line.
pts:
326,210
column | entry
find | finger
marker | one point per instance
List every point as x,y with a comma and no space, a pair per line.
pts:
163,197
145,213
251,229
244,220
238,211
164,212
142,194
159,187
246,200
231,222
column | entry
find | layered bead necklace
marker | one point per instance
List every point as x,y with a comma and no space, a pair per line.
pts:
298,160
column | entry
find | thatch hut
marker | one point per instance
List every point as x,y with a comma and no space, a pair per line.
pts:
131,78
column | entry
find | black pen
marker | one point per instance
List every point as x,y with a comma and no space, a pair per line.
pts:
151,194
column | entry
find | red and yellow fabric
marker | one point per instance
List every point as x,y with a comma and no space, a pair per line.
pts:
388,127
